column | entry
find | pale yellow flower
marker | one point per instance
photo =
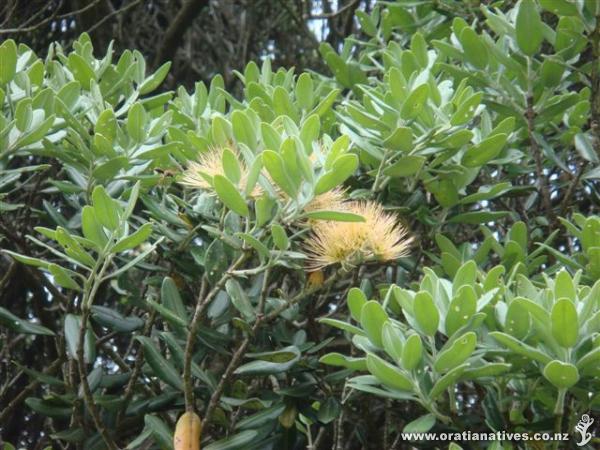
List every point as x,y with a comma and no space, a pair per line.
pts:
200,173
331,201
381,237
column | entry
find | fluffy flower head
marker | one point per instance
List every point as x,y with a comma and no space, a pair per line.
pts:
381,237
200,173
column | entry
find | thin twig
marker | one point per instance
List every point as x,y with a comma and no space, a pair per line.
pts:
18,399
335,13
260,321
52,17
114,13
201,305
537,153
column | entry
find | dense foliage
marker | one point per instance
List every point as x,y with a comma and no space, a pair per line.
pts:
325,261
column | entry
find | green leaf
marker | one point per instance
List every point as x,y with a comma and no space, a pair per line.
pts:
133,240
257,245
239,299
356,300
393,341
520,348
560,7
342,325
230,196
160,366
591,358
92,228
564,286
491,370
171,299
8,61
343,167
136,123
426,313
276,168
112,319
388,374
337,216
485,151
243,130
160,431
11,321
109,169
35,262
413,105
529,28
279,236
561,375
63,277
477,217
107,210
71,327
420,425
457,353
270,362
474,48
372,318
324,106
234,442
412,352
46,408
169,315
339,360
461,309
231,166
81,70
304,91
153,81
405,166
271,137
401,139
565,325
447,380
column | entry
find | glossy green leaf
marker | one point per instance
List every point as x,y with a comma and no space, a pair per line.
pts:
485,151
393,341
112,319
8,61
565,324
160,366
560,374
420,425
415,102
457,353
520,347
426,313
230,195
135,239
388,374
529,27
343,167
279,236
337,216
405,166
372,318
412,352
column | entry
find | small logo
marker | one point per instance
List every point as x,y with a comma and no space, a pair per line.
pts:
582,428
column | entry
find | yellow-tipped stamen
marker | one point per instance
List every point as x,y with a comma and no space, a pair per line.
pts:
381,237
330,201
199,173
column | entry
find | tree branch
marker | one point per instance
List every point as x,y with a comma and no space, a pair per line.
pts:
176,30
